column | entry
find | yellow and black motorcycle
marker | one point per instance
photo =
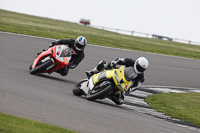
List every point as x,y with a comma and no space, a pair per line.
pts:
106,83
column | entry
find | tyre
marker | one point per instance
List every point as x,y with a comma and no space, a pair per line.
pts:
76,90
100,94
41,67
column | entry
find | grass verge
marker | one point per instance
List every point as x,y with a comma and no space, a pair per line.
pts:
12,124
183,106
50,28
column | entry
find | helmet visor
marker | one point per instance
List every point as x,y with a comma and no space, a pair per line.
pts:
139,68
79,46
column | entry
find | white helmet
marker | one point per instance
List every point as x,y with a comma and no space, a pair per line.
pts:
141,65
80,43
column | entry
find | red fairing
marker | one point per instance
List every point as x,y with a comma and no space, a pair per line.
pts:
43,54
51,52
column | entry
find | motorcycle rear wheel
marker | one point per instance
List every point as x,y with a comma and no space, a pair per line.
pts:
100,94
41,67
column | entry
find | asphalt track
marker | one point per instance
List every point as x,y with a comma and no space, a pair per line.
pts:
49,98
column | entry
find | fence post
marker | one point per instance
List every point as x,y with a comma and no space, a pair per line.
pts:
132,32
147,35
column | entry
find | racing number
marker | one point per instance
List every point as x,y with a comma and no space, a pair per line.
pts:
65,60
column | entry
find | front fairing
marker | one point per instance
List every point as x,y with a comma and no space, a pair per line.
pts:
62,54
117,75
41,56
120,80
59,54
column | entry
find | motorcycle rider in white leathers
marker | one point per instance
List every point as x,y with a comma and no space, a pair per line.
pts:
139,66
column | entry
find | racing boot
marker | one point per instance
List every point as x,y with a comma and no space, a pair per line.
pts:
118,99
64,71
101,65
92,72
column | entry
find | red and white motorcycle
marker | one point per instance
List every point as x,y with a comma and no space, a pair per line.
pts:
53,59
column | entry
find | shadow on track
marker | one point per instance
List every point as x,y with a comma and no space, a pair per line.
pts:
108,103
103,101
55,78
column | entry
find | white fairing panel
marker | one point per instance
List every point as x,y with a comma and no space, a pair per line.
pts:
63,53
91,84
84,87
87,86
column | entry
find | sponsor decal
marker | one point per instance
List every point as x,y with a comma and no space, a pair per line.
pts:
126,86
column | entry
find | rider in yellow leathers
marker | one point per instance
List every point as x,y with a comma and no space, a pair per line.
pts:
136,68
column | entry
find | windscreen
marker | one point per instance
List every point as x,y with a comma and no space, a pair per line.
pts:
129,73
65,52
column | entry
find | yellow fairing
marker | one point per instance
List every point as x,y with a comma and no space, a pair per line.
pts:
95,78
121,83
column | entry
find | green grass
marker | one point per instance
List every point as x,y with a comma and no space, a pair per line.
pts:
12,124
50,28
183,106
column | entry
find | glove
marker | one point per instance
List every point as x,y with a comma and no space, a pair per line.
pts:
131,89
53,44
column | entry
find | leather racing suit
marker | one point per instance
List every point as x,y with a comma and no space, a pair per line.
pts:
76,58
127,62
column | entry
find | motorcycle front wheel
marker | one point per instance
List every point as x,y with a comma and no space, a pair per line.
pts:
100,94
76,90
41,67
